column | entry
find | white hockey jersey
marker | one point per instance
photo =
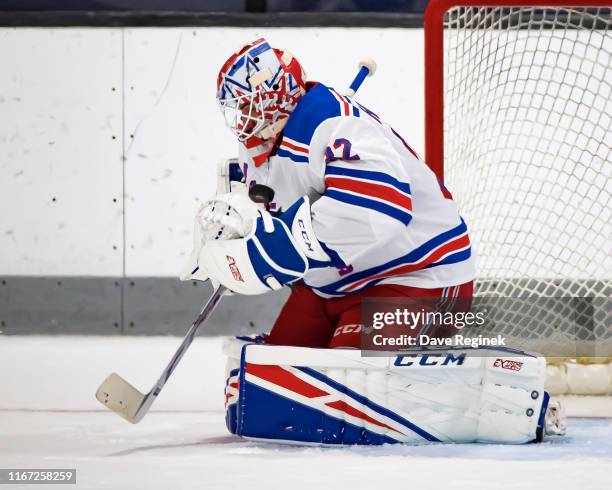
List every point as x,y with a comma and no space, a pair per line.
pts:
378,210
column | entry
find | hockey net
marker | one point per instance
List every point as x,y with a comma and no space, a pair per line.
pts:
519,115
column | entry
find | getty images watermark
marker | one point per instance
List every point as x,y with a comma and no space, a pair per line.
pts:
550,326
424,328
392,324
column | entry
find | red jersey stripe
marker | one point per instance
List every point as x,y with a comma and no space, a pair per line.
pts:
370,189
345,105
456,244
286,144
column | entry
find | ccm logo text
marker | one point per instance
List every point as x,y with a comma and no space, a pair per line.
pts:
429,360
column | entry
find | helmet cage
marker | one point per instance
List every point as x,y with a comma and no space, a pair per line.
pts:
257,90
243,114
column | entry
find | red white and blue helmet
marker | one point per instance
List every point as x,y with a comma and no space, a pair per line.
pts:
257,89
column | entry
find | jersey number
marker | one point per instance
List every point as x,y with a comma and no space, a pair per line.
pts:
344,146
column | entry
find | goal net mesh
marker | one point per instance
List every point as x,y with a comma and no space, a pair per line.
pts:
527,119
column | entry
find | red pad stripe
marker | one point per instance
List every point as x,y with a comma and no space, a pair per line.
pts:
281,377
373,190
346,408
286,144
457,244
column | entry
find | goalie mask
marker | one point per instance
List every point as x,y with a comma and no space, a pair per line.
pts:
257,89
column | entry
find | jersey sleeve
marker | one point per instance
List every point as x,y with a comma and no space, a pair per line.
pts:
366,201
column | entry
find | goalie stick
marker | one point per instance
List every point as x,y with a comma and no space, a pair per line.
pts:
115,393
367,68
122,398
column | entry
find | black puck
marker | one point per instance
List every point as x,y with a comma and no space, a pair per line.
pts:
261,194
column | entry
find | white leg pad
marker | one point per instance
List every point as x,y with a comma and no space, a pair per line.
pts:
335,396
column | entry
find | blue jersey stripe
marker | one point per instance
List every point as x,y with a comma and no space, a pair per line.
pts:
411,257
369,175
364,202
453,258
292,156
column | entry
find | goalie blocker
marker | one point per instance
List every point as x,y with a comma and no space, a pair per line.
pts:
336,397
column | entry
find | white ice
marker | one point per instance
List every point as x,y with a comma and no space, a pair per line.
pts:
49,418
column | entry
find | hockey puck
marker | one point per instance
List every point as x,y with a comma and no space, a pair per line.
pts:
261,194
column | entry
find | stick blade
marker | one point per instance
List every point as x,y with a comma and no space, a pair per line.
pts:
116,394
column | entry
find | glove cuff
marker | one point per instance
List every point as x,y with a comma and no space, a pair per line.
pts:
299,220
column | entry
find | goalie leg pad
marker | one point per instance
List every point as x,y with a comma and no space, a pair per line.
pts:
335,396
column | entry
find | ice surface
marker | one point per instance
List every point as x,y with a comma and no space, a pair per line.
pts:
63,373
41,378
193,450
